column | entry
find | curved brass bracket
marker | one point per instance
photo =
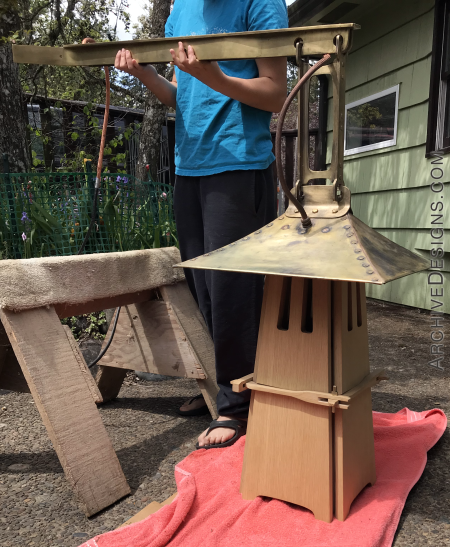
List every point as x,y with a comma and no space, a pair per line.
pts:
306,221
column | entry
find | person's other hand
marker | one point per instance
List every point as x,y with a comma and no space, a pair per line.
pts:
207,72
124,61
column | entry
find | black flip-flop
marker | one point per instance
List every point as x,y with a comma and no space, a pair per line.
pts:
240,429
195,411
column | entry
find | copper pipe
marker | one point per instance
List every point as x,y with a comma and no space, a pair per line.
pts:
306,221
105,125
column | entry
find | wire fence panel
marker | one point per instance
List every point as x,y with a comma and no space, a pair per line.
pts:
48,214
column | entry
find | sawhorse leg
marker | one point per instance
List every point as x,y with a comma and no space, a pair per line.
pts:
67,407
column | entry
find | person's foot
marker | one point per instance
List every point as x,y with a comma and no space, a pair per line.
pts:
194,407
217,436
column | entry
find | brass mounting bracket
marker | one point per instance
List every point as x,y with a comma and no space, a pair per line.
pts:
320,202
332,399
335,171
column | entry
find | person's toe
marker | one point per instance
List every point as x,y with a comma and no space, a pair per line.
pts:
217,436
220,436
201,439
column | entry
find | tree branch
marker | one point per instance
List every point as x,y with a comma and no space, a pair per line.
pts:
70,8
114,87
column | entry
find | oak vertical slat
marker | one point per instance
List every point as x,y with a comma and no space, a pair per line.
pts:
350,348
354,450
293,359
289,450
288,453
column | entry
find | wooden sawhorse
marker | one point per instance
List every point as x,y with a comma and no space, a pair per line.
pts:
40,356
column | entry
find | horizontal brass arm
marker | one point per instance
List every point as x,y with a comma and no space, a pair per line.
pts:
315,397
212,47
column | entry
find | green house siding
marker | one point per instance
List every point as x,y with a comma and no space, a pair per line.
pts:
391,186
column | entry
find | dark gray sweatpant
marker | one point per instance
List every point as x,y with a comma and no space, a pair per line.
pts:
210,212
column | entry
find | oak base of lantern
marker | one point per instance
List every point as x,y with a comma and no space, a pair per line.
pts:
311,444
309,448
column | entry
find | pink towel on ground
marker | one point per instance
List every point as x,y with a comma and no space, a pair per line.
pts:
210,512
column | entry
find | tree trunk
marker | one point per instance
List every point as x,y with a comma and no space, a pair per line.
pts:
13,133
154,111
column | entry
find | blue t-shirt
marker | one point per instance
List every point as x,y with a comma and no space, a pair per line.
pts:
214,133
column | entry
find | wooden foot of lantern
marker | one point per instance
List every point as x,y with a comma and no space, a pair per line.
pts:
310,431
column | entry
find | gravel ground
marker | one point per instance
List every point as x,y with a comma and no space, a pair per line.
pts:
37,505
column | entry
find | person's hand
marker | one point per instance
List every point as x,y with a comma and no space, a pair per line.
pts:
207,72
124,61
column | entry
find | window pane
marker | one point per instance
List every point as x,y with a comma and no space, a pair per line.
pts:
371,123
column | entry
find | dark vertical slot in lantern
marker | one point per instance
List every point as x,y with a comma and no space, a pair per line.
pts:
350,307
307,315
285,304
359,288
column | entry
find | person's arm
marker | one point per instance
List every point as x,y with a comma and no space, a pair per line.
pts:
164,90
267,92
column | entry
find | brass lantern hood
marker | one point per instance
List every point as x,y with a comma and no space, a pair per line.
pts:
340,248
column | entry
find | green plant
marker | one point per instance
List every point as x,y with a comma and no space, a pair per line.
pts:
88,325
47,214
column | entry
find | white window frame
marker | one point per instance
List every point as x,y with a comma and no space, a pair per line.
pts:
385,144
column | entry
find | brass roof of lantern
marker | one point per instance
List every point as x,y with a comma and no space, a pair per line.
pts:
341,248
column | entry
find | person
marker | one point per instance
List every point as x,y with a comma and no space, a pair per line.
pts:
224,187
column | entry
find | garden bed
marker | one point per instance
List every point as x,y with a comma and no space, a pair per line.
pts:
48,214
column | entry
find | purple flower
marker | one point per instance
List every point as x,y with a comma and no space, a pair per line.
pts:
24,237
118,179
125,180
24,218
